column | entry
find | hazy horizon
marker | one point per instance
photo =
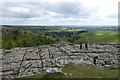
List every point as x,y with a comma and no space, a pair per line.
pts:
54,25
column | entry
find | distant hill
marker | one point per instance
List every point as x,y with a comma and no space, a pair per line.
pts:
27,36
18,37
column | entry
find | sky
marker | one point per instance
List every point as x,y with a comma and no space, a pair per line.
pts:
59,12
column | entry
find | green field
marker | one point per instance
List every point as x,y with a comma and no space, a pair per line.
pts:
79,71
100,36
87,36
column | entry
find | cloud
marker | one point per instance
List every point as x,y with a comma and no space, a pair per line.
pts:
18,11
81,12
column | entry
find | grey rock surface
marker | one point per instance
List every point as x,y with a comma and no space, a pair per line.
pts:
20,62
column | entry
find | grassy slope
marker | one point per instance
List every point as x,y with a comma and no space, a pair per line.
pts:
80,71
43,76
90,71
24,39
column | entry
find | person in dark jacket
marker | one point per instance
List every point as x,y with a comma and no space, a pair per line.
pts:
86,46
80,45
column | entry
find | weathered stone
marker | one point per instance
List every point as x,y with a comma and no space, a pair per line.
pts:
31,60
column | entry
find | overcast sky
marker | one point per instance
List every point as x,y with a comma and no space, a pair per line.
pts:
58,12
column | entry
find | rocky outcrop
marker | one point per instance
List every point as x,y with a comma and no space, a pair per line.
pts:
19,62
